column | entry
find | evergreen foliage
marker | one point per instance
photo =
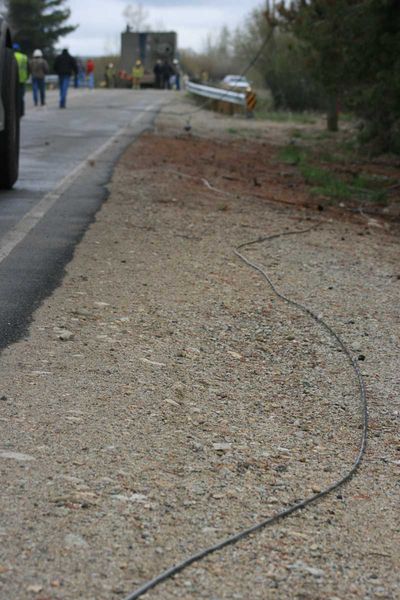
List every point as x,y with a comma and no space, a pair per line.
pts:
38,23
354,52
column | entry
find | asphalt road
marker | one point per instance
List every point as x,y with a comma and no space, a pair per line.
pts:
67,157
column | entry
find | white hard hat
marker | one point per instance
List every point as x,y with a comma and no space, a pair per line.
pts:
37,54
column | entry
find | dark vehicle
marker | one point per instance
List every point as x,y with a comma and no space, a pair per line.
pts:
9,114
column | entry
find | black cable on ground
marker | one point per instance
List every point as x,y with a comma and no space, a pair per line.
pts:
178,568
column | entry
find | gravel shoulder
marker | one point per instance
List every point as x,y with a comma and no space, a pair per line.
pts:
165,398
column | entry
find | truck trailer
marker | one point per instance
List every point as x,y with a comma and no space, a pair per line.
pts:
9,112
148,47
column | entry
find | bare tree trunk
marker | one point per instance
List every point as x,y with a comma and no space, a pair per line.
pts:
333,113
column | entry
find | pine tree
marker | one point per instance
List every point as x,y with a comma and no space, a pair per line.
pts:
354,52
38,23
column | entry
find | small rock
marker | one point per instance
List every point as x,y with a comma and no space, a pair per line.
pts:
132,498
89,498
138,498
235,354
300,566
222,446
65,335
218,496
209,530
375,223
152,362
16,456
38,373
172,402
35,588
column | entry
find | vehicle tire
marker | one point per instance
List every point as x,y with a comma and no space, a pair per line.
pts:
9,138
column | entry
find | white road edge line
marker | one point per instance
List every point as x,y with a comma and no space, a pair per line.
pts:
16,235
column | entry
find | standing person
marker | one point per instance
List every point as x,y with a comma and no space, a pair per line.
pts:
166,74
90,73
109,75
137,75
65,66
23,70
178,73
39,69
80,76
158,74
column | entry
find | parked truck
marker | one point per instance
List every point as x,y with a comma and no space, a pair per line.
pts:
9,113
148,47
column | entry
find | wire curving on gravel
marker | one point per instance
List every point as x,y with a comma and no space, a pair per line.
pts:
178,568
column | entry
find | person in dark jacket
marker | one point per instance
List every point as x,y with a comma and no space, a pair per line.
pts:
158,74
65,66
166,73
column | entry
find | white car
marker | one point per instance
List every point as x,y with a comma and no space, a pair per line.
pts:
236,82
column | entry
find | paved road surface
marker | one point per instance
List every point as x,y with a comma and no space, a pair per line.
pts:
67,157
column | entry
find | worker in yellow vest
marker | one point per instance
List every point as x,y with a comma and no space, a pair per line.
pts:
137,75
23,68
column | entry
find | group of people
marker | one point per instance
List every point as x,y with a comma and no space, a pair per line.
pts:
167,75
84,75
38,68
65,66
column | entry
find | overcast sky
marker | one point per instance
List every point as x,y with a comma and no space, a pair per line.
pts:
101,21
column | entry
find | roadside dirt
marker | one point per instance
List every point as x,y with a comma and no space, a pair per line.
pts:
288,163
165,398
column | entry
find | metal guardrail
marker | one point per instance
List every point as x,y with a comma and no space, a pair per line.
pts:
217,93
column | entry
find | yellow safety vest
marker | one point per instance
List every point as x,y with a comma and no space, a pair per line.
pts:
22,61
137,72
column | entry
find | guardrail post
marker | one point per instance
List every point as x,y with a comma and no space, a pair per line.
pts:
251,103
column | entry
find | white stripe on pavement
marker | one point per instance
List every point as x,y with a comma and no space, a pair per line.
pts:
16,235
